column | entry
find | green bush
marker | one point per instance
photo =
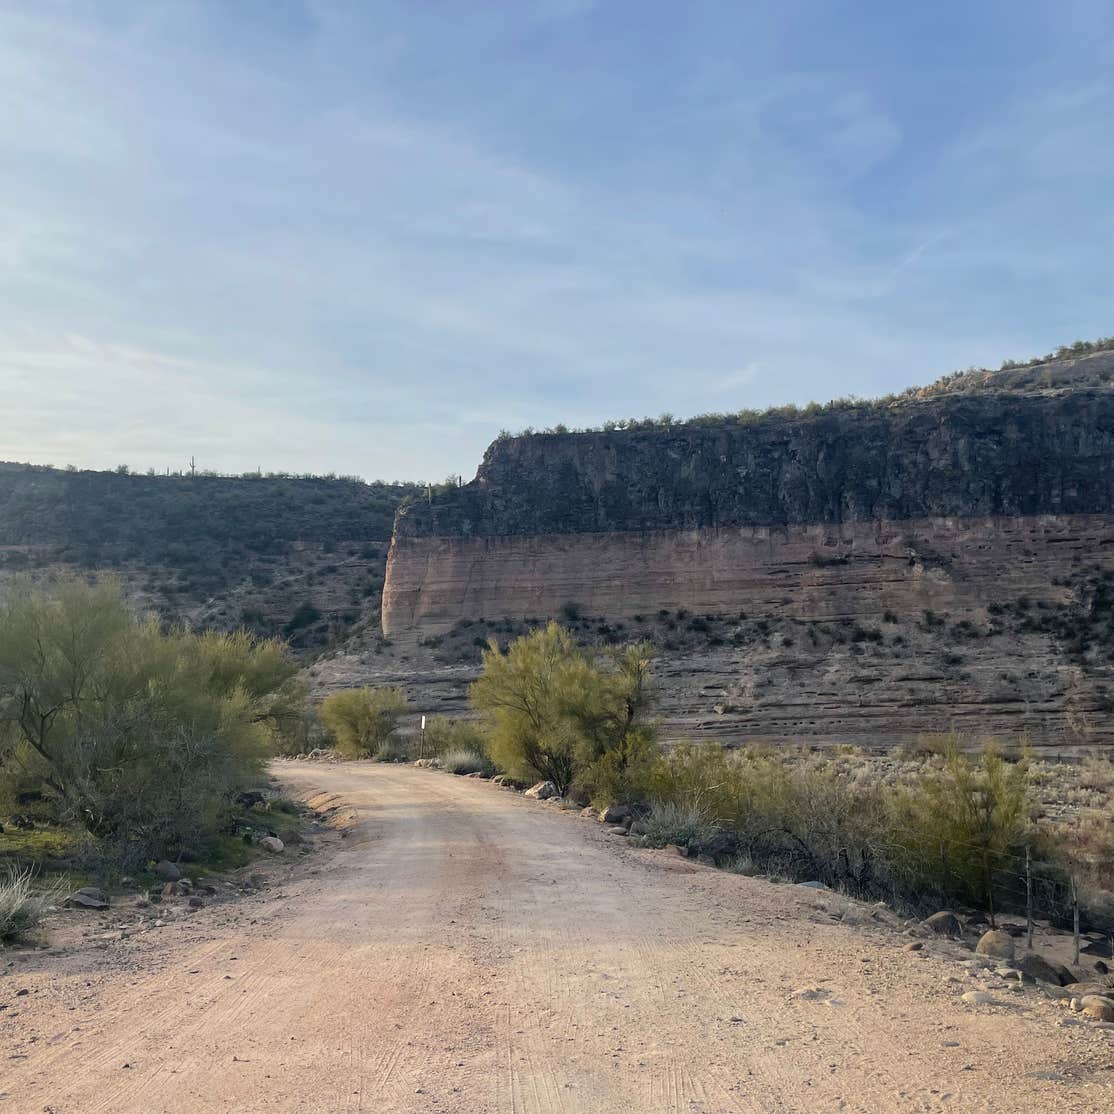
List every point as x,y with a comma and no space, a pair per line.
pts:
443,734
962,823
954,832
553,711
680,822
137,735
364,721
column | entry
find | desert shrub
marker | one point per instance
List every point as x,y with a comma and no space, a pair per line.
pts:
23,901
463,761
802,821
300,720
443,734
553,710
962,823
620,773
364,721
679,822
138,735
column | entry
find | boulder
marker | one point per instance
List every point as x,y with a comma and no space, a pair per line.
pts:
196,902
167,871
815,885
272,844
89,897
1079,989
944,923
1100,1008
978,998
615,814
617,830
1044,970
542,791
996,943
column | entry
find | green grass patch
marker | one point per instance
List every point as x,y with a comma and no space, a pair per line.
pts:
46,847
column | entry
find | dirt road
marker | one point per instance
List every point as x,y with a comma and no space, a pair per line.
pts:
465,950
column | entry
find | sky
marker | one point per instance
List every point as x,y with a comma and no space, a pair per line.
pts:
363,237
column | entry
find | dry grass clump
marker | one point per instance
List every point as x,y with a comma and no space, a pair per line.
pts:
23,902
465,762
946,826
679,822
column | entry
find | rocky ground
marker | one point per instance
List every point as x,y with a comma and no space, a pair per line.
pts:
452,946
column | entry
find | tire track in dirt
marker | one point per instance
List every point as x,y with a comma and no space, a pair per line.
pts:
466,951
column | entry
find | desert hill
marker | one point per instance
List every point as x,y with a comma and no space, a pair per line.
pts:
939,560
297,556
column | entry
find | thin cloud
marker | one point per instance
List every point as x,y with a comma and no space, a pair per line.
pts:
330,241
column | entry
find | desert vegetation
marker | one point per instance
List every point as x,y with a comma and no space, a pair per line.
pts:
968,380
364,722
949,823
123,742
299,557
24,900
554,710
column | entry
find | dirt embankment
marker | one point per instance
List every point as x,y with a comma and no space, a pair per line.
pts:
464,950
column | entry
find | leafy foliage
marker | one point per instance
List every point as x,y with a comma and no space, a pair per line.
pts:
443,735
962,823
364,721
137,735
461,761
555,712
954,832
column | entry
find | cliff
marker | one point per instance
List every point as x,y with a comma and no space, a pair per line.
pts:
955,502
1022,454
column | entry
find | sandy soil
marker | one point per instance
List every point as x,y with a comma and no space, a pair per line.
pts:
465,950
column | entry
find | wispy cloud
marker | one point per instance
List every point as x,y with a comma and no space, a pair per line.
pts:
328,237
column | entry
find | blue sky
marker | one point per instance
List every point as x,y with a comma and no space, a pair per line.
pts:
363,237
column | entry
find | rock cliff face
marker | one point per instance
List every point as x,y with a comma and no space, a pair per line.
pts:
962,506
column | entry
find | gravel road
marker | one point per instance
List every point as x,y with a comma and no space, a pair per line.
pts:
465,950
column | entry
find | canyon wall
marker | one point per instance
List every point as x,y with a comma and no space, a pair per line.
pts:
990,514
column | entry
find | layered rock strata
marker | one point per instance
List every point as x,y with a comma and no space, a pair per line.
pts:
956,506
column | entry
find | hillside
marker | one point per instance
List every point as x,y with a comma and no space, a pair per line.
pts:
301,557
941,560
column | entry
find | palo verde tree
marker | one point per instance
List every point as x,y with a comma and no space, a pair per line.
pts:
965,824
364,722
138,735
553,711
